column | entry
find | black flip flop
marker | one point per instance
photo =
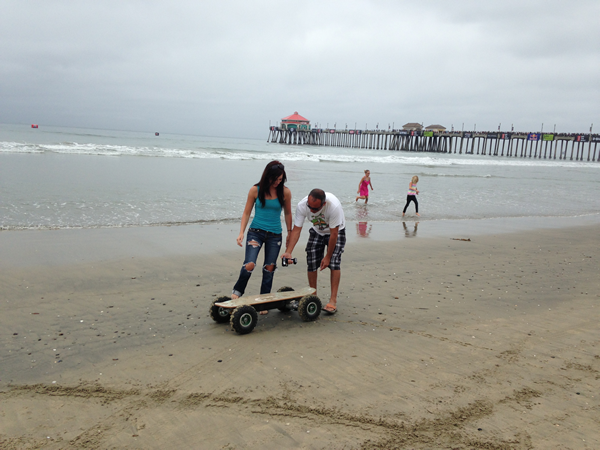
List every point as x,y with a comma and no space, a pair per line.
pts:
331,312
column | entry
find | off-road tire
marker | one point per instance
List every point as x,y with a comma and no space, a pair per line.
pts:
309,307
244,319
218,314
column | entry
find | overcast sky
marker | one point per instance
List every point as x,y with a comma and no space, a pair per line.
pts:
228,67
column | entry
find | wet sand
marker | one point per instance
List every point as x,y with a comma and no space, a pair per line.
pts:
439,342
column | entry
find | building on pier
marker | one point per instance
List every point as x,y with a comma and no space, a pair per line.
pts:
295,122
436,127
413,126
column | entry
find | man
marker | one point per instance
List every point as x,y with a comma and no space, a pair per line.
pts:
324,211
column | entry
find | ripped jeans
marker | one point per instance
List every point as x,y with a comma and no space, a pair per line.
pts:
255,239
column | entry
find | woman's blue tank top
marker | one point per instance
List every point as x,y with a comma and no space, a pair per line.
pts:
269,217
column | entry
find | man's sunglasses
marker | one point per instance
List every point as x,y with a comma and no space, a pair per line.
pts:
314,209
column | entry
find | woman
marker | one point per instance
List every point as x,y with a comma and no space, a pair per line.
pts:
363,187
268,197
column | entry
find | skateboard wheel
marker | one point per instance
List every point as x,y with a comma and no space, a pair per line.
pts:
309,307
286,307
244,319
218,314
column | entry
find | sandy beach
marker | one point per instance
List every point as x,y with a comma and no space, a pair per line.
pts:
487,341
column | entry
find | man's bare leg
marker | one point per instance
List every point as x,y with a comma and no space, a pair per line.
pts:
336,275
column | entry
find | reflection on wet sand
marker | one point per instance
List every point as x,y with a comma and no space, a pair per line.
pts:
408,233
363,229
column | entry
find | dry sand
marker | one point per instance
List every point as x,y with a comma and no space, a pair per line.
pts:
491,343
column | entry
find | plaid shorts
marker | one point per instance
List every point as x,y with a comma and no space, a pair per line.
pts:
315,250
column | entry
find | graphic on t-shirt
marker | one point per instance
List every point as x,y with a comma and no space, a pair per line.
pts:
318,221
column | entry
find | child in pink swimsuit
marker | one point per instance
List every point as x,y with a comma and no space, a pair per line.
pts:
363,187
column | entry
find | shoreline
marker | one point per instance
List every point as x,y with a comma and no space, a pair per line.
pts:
71,246
438,343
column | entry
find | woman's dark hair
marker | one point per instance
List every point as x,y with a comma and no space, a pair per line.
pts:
273,171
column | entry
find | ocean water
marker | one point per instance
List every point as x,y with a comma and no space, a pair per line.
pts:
54,178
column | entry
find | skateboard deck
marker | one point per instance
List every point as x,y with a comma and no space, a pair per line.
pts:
266,298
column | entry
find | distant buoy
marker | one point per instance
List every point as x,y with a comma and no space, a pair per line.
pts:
33,125
156,133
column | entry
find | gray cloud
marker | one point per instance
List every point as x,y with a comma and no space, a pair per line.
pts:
229,67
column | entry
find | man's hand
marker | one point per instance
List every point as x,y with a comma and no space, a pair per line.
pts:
286,255
325,262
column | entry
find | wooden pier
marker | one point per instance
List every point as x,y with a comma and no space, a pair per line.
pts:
562,146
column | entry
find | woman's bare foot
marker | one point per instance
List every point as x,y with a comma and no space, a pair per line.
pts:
418,214
264,313
233,296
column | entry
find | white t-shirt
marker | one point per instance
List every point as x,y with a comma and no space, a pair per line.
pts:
330,216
